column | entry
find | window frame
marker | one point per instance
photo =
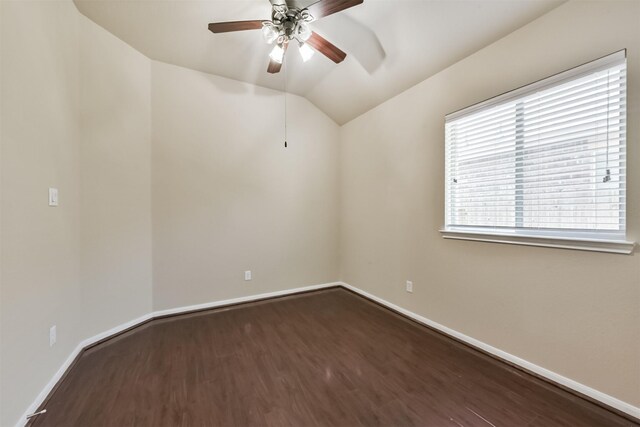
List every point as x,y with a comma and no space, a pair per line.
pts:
598,240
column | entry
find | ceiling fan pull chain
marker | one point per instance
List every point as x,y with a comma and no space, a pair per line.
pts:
285,103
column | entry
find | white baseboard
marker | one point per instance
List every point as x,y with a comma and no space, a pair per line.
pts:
543,372
58,375
113,331
242,299
569,383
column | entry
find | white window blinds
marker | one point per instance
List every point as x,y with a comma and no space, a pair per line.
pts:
547,159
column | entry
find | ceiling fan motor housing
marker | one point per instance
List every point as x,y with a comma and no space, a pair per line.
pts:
287,24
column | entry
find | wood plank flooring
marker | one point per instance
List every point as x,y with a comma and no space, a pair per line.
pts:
327,358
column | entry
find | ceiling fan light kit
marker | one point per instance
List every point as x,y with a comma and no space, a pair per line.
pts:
305,52
277,54
287,25
269,32
290,23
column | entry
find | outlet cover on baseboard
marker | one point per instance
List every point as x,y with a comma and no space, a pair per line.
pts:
409,286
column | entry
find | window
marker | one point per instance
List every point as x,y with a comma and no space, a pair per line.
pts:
546,161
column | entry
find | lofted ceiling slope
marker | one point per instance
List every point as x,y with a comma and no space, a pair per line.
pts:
391,44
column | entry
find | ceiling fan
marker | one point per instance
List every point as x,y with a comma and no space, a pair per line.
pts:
290,23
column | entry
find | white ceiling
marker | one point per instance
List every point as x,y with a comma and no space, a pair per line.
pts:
391,44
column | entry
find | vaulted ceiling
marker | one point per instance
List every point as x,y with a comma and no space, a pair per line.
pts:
391,44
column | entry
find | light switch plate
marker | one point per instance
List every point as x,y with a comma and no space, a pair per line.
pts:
247,275
53,197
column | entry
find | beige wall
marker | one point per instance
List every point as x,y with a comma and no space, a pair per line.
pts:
76,116
227,195
115,181
575,313
40,245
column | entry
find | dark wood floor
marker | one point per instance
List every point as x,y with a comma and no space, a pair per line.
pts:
323,358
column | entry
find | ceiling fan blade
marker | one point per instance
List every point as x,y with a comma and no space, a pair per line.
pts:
326,48
274,66
226,27
324,8
359,40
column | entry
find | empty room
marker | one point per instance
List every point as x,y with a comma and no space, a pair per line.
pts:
298,213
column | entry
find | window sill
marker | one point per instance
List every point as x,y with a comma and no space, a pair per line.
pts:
593,245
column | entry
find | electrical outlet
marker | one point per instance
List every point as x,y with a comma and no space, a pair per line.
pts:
53,335
247,275
409,286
